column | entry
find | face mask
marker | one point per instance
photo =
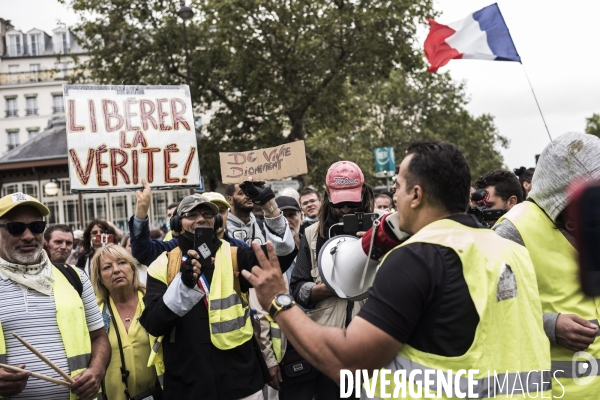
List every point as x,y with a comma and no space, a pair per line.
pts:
168,224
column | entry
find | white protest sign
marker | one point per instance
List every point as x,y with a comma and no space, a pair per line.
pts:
117,135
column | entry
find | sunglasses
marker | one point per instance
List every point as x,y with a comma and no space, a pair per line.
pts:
18,228
349,204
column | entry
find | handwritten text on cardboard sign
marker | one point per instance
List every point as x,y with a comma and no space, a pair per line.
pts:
264,164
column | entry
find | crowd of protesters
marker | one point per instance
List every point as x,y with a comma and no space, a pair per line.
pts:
138,315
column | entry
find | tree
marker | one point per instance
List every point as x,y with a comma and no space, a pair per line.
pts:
593,125
406,107
261,66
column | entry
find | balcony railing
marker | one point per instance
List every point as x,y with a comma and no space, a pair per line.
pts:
35,76
58,109
31,111
11,113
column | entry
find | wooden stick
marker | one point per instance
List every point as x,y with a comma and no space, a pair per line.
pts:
36,375
44,358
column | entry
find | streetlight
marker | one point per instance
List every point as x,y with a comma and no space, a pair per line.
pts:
185,13
51,188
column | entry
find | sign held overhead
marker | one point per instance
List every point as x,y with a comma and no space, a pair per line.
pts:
264,164
117,135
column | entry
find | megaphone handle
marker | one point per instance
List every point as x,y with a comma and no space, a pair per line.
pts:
364,275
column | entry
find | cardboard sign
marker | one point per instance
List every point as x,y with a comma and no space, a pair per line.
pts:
117,135
264,164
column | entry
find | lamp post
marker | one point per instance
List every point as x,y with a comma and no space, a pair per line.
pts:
185,13
51,188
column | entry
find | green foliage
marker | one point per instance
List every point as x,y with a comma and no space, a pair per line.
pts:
344,75
592,125
398,111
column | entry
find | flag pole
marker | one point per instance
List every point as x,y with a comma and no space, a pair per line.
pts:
536,101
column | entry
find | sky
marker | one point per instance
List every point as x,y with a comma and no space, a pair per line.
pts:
552,37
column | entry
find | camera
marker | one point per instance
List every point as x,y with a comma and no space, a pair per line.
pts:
481,211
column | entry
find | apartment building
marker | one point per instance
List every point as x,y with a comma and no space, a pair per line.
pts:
33,66
33,142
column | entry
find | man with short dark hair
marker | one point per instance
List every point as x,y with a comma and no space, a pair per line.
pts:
503,187
241,222
443,300
58,241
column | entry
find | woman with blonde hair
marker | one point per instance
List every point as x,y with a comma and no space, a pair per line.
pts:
120,293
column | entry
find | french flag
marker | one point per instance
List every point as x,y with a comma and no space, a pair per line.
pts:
483,35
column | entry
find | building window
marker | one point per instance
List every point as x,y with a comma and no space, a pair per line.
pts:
32,107
34,72
30,189
37,47
63,70
94,207
65,185
61,43
8,189
14,46
58,106
159,208
13,70
71,212
33,132
53,217
179,195
119,212
11,107
13,139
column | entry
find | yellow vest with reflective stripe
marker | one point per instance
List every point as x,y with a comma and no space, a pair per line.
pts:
276,340
70,318
228,314
509,337
557,270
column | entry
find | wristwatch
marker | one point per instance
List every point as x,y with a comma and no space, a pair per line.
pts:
281,302
271,209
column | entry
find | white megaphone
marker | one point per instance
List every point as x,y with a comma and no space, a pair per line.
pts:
344,266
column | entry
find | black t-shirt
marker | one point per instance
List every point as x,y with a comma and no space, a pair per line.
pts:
420,297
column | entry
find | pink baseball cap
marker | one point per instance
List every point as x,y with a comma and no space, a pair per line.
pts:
344,181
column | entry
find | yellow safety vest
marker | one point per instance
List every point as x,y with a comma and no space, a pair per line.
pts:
557,270
168,236
70,318
509,338
228,313
276,340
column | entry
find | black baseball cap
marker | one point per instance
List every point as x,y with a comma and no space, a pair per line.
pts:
287,203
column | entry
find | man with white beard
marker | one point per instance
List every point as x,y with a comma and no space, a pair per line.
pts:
53,309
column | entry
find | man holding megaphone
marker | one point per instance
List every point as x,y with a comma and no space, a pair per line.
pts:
444,300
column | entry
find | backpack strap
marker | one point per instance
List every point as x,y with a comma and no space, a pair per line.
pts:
72,276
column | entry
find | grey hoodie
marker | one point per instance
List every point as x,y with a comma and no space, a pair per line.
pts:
252,230
569,157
